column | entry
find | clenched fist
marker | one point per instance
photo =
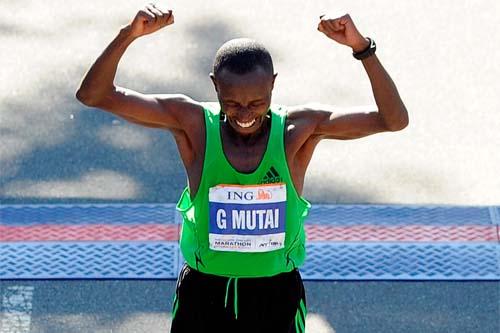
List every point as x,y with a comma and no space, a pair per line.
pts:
150,19
342,30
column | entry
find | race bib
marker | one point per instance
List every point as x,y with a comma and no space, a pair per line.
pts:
247,218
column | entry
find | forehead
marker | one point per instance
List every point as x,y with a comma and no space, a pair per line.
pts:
257,80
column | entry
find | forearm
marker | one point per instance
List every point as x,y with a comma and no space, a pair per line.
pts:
389,103
98,82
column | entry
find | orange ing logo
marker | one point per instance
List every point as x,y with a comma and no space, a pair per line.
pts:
264,195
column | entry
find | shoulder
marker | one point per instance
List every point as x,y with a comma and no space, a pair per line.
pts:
306,117
188,111
210,108
179,103
303,121
300,125
311,111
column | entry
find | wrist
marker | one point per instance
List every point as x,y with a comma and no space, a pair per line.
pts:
367,52
126,33
361,45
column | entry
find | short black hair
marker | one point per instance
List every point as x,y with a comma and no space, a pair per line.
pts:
241,56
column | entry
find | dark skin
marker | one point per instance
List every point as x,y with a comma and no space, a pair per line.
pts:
243,98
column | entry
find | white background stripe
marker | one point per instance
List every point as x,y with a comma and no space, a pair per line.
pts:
17,307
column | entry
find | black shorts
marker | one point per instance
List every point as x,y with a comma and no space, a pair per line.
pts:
216,304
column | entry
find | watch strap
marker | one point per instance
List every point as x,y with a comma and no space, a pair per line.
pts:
370,50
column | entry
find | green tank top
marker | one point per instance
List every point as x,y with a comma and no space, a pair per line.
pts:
243,224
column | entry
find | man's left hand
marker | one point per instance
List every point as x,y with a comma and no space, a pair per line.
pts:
342,30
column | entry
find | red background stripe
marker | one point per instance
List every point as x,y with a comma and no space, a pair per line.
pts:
97,232
411,233
157,232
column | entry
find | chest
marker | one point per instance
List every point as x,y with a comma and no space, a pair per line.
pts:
244,157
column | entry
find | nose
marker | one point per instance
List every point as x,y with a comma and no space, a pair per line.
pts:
242,109
244,115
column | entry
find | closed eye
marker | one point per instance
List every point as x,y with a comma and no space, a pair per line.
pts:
257,104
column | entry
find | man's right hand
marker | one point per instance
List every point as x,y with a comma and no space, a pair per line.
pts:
150,19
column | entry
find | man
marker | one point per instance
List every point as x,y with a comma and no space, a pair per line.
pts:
242,236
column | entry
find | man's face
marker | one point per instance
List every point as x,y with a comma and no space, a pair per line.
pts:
244,98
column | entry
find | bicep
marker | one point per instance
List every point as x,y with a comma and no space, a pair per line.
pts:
138,122
159,110
346,124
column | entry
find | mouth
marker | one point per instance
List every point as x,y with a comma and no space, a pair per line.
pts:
245,125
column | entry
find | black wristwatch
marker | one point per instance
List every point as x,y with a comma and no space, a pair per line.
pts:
370,50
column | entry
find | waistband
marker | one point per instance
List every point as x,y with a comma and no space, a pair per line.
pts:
225,279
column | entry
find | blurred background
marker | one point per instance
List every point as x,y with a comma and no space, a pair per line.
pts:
441,57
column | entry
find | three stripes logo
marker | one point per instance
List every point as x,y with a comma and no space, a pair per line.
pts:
272,176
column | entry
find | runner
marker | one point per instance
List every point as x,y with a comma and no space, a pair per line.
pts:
243,212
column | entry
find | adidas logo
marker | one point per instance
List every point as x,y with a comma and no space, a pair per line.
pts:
272,176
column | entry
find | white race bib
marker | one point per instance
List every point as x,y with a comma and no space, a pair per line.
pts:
247,218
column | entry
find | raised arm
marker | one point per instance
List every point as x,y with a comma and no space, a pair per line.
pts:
97,89
334,123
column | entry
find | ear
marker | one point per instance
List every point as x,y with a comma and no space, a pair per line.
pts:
212,77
